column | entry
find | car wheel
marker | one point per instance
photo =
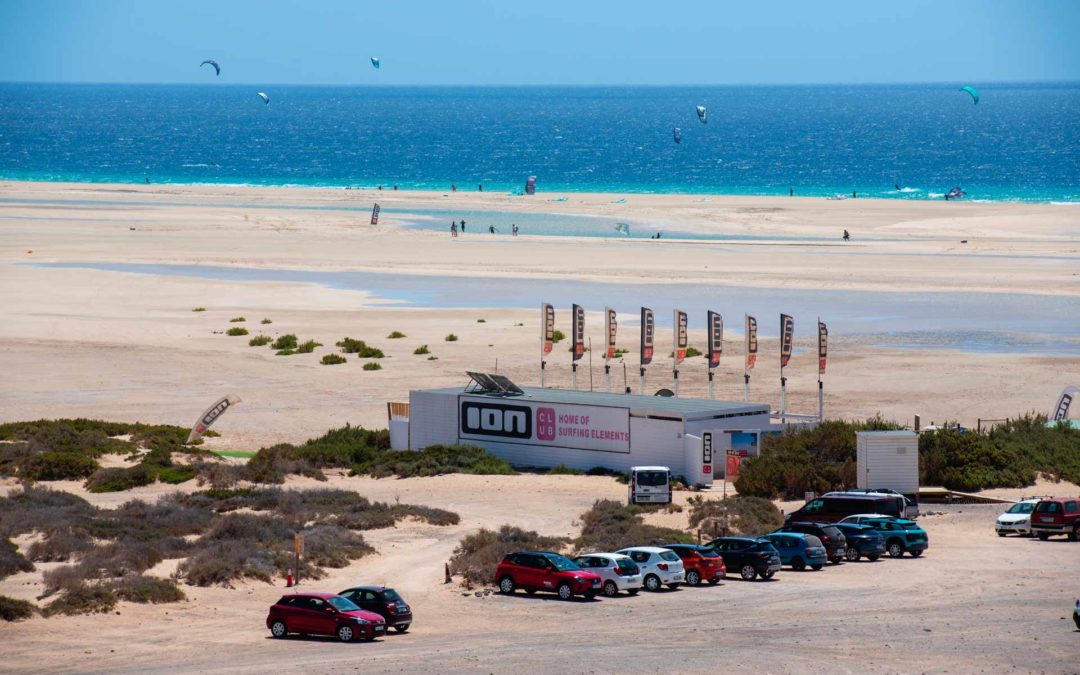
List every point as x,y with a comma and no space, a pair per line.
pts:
402,629
896,549
610,589
714,581
589,595
798,564
816,567
873,557
278,629
506,585
652,583
836,560
693,578
565,592
916,554
1001,534
632,591
1043,536
345,633
768,574
530,591
748,573
1075,534
673,586
852,554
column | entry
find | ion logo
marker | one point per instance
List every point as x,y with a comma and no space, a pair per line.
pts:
545,424
496,419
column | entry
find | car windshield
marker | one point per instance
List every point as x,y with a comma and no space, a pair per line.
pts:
342,604
1048,507
707,553
669,555
832,531
627,565
909,525
562,563
391,595
1022,507
652,478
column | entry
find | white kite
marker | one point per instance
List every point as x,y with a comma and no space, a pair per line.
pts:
264,97
1061,408
210,416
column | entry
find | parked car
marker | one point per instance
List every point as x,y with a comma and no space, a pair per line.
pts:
323,614
700,563
617,572
649,485
659,566
383,601
831,536
799,550
545,571
1017,520
862,541
1058,515
838,505
752,556
861,518
908,507
901,536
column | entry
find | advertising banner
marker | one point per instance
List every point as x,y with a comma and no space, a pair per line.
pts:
751,342
822,346
731,469
715,325
582,427
787,336
647,335
578,332
375,215
611,326
1061,410
547,328
210,416
680,337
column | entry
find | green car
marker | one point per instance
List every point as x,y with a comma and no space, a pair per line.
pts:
901,536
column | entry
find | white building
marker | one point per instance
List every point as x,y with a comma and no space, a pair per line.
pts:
539,427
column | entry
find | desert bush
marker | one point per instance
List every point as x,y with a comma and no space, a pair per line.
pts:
287,341
481,321
562,470
237,319
422,349
332,359
478,555
143,589
61,544
395,335
341,448
433,460
11,561
116,479
36,509
223,562
266,321
285,352
371,365
259,341
13,609
58,466
360,348
199,309
610,525
433,358
332,546
749,516
83,599
236,331
307,347
451,338
557,336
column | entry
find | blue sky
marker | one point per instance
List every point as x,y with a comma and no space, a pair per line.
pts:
540,41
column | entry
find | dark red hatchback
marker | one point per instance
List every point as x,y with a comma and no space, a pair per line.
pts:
323,614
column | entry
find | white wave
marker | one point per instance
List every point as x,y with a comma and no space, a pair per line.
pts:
910,189
190,166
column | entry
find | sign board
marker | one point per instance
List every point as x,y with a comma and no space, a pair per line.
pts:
298,544
715,346
706,447
578,332
612,327
580,427
680,336
547,328
647,327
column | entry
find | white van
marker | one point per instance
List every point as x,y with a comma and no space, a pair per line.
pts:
650,485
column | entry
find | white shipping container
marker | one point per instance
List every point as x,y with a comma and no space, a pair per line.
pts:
888,459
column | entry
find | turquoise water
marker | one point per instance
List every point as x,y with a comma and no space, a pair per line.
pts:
982,322
1021,142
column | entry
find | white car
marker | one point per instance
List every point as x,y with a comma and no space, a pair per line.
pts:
1017,519
858,518
659,566
618,572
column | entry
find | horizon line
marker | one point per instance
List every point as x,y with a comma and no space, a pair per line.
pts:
547,85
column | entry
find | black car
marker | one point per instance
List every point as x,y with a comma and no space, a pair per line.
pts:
383,601
862,541
750,556
833,539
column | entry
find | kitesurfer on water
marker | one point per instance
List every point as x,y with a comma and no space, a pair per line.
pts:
847,236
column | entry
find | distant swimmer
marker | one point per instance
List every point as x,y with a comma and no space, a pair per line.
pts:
897,186
453,187
854,195
491,229
480,188
453,229
791,191
395,186
847,236
148,180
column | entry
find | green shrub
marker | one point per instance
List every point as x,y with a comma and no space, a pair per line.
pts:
11,561
610,525
433,358
13,609
422,349
690,352
338,448
359,347
433,460
619,353
562,470
260,341
199,309
481,321
557,336
58,466
287,341
83,599
372,366
478,555
395,335
236,330
451,338
285,352
119,479
266,321
237,319
332,359
748,516
307,347
143,589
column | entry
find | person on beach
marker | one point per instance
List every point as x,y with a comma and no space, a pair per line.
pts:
395,186
491,229
453,229
481,187
463,226
854,195
791,191
514,229
453,187
847,237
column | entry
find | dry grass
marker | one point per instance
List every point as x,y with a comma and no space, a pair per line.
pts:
478,555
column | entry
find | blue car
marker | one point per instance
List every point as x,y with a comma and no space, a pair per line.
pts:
863,541
799,550
901,536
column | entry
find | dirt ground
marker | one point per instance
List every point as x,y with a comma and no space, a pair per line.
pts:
973,603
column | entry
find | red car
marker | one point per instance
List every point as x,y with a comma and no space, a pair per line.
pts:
551,572
1057,515
700,563
323,614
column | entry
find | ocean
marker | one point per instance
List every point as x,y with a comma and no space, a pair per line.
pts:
1020,143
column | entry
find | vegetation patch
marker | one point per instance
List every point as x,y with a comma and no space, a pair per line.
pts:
307,347
237,319
11,561
396,335
610,525
478,555
199,309
83,598
371,365
562,470
148,590
260,341
360,348
332,359
287,341
558,336
481,321
339,448
13,609
236,331
434,460
741,514
266,321
285,352
451,338
422,349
